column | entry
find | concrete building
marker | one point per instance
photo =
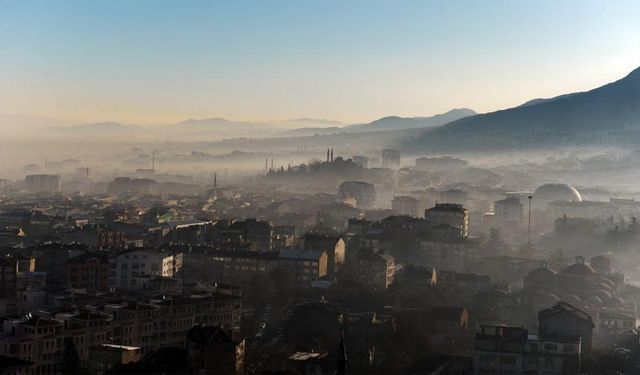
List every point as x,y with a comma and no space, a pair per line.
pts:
212,351
303,267
112,240
334,246
511,350
565,320
405,205
104,357
257,234
359,194
375,270
43,183
284,236
157,323
89,271
452,214
390,158
361,161
237,267
508,212
242,267
499,350
129,264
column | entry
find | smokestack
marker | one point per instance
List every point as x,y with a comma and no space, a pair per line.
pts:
266,165
332,154
327,154
271,163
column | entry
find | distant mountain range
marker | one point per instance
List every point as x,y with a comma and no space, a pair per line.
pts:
388,123
399,123
220,128
607,113
101,127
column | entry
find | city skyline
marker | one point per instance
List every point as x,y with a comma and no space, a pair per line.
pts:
150,63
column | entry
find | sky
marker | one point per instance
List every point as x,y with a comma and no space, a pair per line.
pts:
163,61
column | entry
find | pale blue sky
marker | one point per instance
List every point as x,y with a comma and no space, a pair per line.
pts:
160,61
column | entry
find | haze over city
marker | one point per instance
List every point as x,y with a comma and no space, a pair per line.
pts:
319,187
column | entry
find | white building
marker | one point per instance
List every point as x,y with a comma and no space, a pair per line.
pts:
43,183
126,266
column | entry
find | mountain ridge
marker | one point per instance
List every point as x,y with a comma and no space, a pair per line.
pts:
613,107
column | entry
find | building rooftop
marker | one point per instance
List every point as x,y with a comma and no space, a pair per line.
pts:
564,307
84,258
300,254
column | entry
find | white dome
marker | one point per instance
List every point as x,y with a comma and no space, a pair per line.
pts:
556,192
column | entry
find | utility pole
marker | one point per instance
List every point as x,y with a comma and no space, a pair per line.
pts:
529,225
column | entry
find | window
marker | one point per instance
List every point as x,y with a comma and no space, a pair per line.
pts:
508,360
550,346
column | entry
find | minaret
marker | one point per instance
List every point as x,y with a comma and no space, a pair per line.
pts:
342,358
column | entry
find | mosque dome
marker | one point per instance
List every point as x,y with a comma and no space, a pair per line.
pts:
579,269
556,192
541,274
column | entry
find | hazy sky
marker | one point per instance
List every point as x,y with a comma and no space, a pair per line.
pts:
161,61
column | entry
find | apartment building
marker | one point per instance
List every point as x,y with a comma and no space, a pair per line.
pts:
130,264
